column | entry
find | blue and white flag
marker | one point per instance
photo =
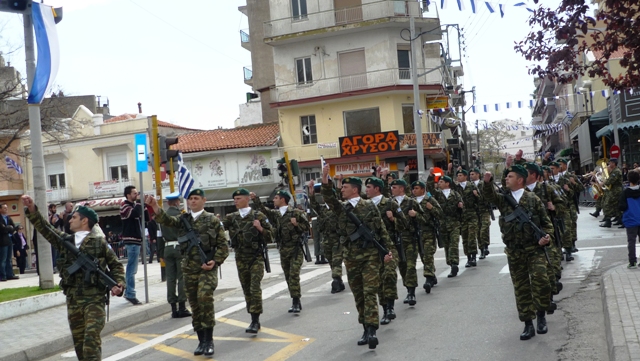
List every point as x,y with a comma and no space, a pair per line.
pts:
11,164
185,181
48,52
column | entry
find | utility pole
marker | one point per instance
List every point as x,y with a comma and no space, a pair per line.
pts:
417,118
478,142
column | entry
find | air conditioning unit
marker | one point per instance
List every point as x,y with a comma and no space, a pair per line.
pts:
458,71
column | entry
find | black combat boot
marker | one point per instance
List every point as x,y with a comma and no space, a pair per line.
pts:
365,337
174,311
434,281
607,223
317,259
559,287
297,306
182,310
200,349
255,323
568,257
323,260
573,248
528,332
427,284
596,213
454,270
208,342
341,284
372,339
552,307
468,264
486,250
411,296
335,285
391,314
482,255
474,262
385,320
542,322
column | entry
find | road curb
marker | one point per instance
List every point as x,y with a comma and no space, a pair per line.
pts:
616,341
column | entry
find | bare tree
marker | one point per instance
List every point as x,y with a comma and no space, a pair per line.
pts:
492,141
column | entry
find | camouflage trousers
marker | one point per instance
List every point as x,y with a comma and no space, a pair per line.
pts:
363,272
600,202
484,224
554,269
469,233
291,259
86,319
451,236
199,287
333,253
408,268
428,239
567,236
389,279
528,271
250,273
610,205
574,225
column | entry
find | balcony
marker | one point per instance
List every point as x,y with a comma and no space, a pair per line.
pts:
248,76
56,195
375,13
343,84
111,188
245,39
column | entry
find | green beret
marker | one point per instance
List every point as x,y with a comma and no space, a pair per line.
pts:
196,192
352,180
544,167
476,170
554,164
533,167
376,182
399,182
447,179
418,184
88,212
393,175
284,194
463,172
518,169
614,160
239,192
562,160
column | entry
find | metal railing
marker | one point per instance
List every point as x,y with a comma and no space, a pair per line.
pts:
328,18
341,84
248,73
110,188
55,195
244,36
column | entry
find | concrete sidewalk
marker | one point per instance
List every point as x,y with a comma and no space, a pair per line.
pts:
621,302
43,332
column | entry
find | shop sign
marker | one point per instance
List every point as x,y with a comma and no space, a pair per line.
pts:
369,143
327,145
429,141
438,103
107,187
358,168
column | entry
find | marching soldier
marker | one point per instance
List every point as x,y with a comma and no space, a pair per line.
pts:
330,239
576,187
290,224
361,258
469,223
525,253
201,276
484,215
560,216
615,188
563,183
85,302
451,203
395,222
248,230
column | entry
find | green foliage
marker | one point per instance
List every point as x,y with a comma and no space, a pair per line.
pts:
9,294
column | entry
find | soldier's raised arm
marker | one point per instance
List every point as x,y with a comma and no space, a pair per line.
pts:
161,216
327,192
431,182
489,192
270,213
41,224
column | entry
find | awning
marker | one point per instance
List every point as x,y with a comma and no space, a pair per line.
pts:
609,128
600,116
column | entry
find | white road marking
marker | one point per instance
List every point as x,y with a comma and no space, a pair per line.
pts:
505,269
325,287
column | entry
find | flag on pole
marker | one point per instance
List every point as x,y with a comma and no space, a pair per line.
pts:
473,6
185,181
11,164
48,52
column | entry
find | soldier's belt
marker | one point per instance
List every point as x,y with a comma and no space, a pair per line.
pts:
172,243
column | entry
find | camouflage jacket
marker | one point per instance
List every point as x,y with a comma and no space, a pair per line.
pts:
451,212
427,215
400,222
483,206
408,204
553,194
614,182
245,238
284,232
211,233
326,217
367,213
515,236
94,245
469,199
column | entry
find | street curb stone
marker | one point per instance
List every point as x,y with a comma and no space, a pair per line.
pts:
621,313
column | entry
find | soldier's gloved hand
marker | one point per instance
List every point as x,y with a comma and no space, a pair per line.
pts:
544,240
388,257
208,266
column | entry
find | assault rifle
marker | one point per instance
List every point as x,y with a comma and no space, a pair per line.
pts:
523,216
397,241
193,238
364,232
436,231
557,222
304,246
417,237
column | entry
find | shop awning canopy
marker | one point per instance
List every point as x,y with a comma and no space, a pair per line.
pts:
600,116
609,128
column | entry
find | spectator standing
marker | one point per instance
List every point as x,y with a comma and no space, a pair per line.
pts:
20,248
66,217
630,206
131,216
58,225
7,228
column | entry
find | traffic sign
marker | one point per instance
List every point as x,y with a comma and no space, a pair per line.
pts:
141,153
614,152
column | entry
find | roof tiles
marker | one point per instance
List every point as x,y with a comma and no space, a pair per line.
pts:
258,135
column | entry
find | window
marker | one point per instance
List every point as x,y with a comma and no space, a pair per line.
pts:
55,174
117,167
299,9
303,69
404,63
309,132
311,176
364,121
407,119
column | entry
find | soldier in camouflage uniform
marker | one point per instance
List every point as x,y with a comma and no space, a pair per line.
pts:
615,188
561,217
363,260
576,187
599,203
330,239
563,182
469,223
200,277
525,255
289,225
451,203
484,215
248,229
85,301
395,222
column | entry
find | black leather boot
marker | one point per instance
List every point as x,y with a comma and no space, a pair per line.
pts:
365,337
559,286
454,271
427,284
372,339
174,311
411,296
596,213
385,320
552,307
474,262
182,310
468,264
293,305
335,285
568,257
208,342
486,250
482,255
542,322
200,349
606,224
297,306
528,332
391,313
323,260
255,323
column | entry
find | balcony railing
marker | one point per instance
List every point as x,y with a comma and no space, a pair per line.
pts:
112,188
244,36
369,80
56,195
329,18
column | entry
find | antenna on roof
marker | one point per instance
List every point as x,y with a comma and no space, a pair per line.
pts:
139,107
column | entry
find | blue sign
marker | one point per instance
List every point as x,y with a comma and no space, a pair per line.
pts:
141,153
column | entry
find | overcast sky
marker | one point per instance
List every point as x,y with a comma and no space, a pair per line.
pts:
184,63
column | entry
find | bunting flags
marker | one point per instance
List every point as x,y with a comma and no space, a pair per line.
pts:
492,6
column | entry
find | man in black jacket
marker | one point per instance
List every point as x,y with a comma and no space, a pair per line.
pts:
20,247
131,214
6,254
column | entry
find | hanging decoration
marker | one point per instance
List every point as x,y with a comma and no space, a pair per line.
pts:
476,5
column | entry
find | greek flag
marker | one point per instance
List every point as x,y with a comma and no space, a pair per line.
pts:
48,52
185,181
11,164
